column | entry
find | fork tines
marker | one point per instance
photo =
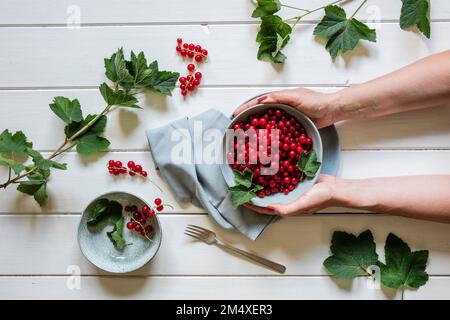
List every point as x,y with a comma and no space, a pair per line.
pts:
196,232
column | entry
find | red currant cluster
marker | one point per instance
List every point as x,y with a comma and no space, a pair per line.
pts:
116,168
139,219
192,80
292,140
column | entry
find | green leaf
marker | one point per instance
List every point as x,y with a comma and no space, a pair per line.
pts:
36,186
68,110
97,128
116,70
14,144
116,235
273,36
240,195
139,69
343,34
90,144
266,7
162,81
416,13
17,167
245,178
403,267
104,212
351,254
308,163
118,97
42,163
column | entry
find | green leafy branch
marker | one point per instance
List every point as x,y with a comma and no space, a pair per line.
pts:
341,32
353,255
129,78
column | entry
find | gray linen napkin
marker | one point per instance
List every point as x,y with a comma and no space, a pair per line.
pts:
201,183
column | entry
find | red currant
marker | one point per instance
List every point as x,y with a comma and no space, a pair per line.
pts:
138,168
179,41
205,52
191,46
198,75
144,173
198,58
184,92
196,82
160,208
158,201
130,225
190,67
130,164
111,163
182,79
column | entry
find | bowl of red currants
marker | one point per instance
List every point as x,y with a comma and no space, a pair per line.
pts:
272,154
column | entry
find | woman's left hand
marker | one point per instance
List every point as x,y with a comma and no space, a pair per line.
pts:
319,197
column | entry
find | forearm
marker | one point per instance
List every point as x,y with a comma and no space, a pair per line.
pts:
423,84
420,197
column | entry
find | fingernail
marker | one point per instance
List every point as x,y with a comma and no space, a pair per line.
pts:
261,99
269,208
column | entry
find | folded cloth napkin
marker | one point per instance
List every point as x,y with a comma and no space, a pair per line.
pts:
201,182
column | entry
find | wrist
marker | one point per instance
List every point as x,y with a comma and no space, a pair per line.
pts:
354,194
351,103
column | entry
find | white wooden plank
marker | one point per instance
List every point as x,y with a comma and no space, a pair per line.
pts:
195,288
86,178
300,243
73,58
418,129
174,11
437,288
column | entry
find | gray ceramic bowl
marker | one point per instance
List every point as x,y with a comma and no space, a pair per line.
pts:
311,131
100,251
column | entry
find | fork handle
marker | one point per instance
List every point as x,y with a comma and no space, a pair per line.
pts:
270,264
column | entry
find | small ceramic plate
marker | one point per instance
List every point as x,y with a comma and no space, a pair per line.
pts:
100,251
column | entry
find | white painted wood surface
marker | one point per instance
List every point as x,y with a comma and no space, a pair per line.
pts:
41,58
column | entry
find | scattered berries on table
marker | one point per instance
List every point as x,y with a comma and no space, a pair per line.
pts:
199,55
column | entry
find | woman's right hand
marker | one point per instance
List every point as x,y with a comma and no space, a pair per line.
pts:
316,105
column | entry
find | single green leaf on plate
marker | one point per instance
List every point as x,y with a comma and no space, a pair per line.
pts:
12,145
92,143
308,163
68,110
97,128
416,13
265,8
162,81
351,254
139,69
240,195
343,34
116,235
403,268
273,36
104,212
245,178
116,70
118,97
42,163
16,166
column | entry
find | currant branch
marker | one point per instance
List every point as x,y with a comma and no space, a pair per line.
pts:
342,32
129,78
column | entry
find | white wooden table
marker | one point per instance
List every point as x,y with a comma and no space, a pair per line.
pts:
41,58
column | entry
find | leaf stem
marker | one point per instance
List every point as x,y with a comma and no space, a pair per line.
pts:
403,292
357,9
295,8
316,9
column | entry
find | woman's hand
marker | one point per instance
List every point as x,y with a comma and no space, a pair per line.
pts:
316,105
320,196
